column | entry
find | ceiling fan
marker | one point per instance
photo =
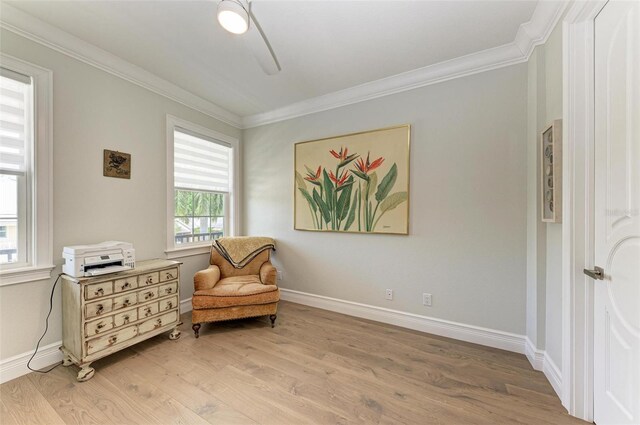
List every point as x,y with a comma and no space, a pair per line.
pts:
236,17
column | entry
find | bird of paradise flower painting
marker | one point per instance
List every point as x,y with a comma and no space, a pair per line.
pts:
354,183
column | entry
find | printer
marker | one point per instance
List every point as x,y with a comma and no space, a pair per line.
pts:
98,259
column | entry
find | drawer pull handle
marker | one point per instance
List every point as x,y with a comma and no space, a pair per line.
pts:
125,303
126,285
169,276
126,319
169,290
158,323
100,291
99,309
148,295
169,305
149,280
147,311
113,340
100,326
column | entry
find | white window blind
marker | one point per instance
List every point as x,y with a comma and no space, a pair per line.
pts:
15,121
200,164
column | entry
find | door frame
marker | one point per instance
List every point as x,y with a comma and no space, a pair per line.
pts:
578,187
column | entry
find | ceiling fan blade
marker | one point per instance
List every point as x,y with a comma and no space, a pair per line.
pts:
261,48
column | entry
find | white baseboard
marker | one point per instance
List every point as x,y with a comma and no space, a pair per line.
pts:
478,335
535,356
185,306
552,372
16,366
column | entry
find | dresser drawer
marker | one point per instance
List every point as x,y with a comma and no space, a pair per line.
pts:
148,279
168,303
98,308
168,289
99,326
147,310
124,301
147,295
115,338
120,285
125,317
170,274
98,290
157,322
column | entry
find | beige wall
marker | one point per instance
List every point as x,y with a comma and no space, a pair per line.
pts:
544,247
467,242
94,110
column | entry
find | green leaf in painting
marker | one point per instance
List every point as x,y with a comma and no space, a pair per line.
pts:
342,207
309,199
387,183
374,181
300,181
393,201
352,211
328,189
324,209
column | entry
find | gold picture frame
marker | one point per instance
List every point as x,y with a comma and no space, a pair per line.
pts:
353,183
116,164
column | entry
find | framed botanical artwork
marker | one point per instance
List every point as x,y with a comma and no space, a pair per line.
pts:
551,172
116,164
357,183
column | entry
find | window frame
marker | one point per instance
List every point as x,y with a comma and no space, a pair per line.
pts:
39,179
172,250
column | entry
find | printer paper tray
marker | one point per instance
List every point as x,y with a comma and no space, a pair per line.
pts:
107,270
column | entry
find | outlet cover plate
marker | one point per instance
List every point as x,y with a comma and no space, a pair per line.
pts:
388,294
426,299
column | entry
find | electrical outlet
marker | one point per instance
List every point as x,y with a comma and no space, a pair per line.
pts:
426,299
388,294
280,275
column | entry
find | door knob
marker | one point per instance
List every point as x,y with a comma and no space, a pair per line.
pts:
597,273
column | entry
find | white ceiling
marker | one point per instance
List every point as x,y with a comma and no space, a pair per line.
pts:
323,46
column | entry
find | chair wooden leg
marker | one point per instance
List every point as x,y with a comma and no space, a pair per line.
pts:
196,329
273,319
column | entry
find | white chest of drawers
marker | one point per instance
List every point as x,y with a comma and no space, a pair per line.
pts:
104,314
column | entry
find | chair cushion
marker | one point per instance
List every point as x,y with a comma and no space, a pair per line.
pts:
236,291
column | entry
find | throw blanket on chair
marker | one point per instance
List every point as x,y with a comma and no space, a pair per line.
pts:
240,250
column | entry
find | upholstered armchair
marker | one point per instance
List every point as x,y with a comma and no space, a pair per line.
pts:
224,291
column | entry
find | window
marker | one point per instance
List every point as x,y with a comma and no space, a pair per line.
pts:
201,193
25,172
16,140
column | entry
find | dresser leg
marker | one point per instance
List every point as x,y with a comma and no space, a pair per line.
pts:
175,334
66,361
196,329
85,373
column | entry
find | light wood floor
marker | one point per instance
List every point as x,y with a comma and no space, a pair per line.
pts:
314,367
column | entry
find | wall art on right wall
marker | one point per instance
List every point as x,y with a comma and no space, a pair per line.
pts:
551,173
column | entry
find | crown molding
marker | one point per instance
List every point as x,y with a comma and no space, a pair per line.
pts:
529,35
36,30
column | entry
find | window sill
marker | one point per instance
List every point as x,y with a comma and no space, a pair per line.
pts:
188,251
25,274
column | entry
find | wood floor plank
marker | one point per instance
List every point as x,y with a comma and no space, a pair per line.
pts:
202,403
315,367
22,403
6,418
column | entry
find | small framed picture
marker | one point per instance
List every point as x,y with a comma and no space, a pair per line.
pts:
551,173
116,164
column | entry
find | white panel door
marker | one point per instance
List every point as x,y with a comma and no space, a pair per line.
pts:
617,214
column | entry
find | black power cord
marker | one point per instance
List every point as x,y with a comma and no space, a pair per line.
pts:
46,328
